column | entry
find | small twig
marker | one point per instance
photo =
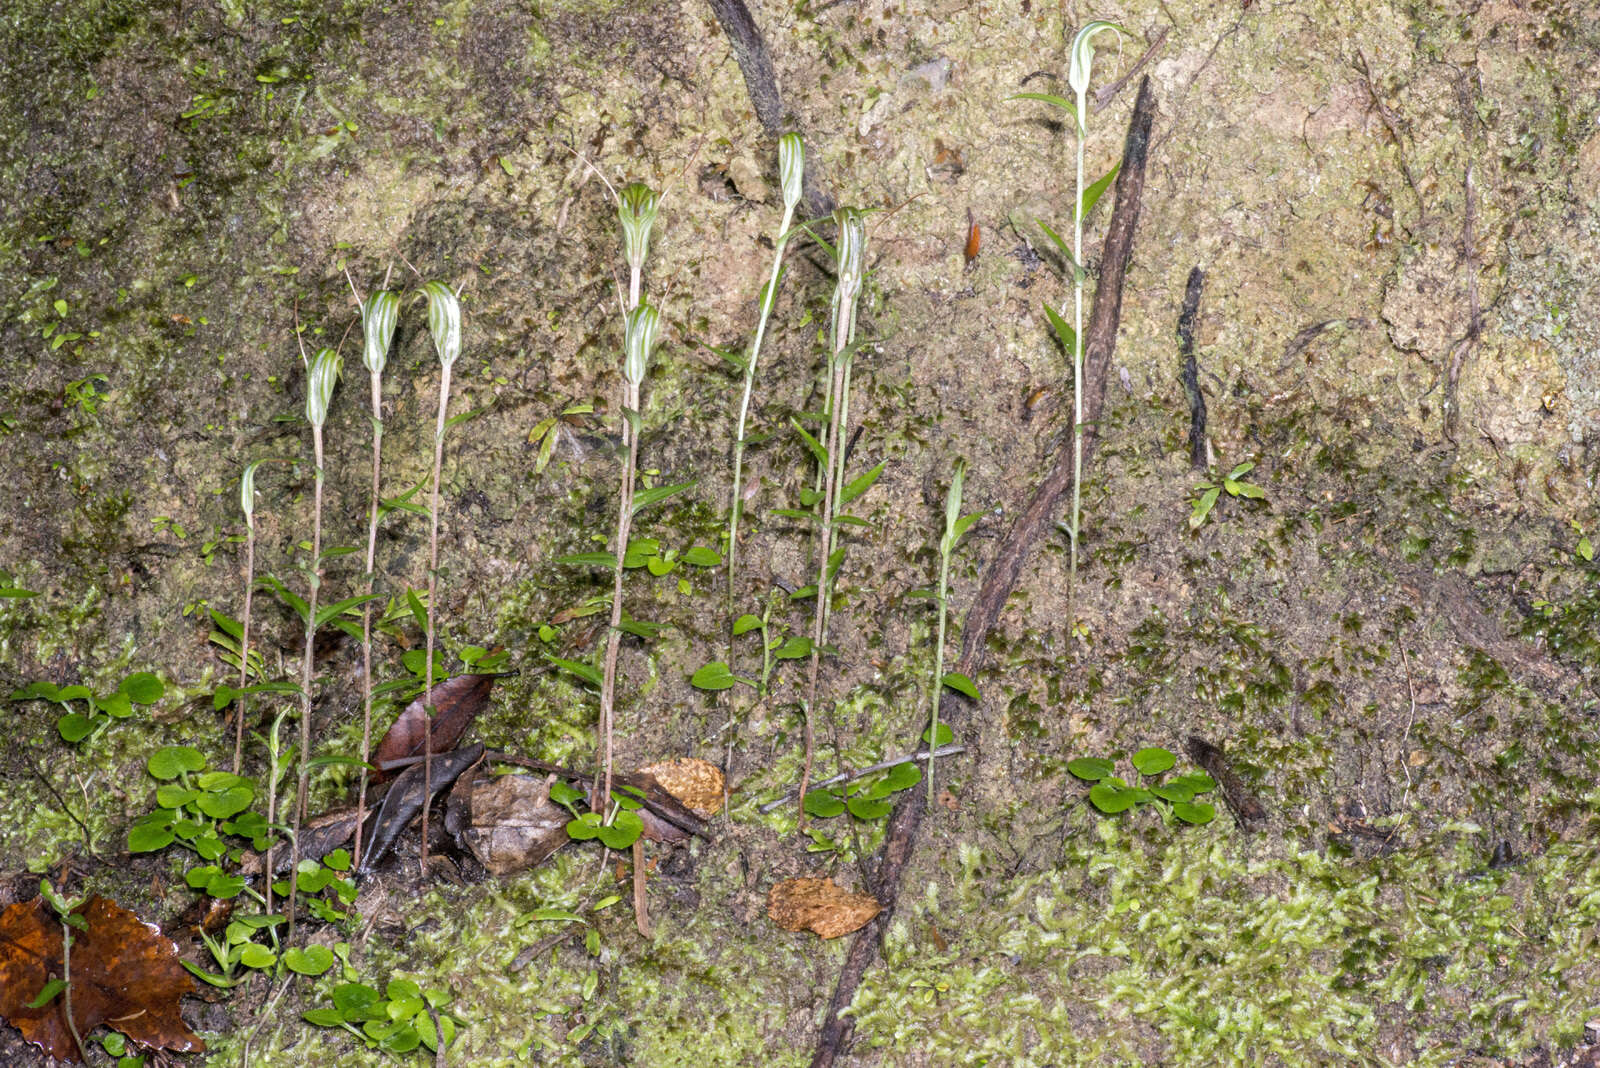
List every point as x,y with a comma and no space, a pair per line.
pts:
882,765
88,842
1190,372
1469,342
641,913
1103,95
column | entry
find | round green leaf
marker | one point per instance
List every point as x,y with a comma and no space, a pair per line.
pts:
256,955
624,830
1175,791
74,727
1112,799
746,623
585,827
1194,813
143,688
171,795
1091,769
714,676
117,705
230,802
944,737
869,808
312,960
701,556
1153,761
172,761
823,804
149,837
902,777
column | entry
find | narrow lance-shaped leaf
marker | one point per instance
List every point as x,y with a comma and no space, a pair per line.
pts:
1064,332
1049,98
1092,195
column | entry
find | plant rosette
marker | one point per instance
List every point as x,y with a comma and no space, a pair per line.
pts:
1112,795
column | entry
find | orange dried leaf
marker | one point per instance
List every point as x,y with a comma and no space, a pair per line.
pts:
125,975
698,784
818,905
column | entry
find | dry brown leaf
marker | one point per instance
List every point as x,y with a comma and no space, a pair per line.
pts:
818,905
508,821
125,975
456,703
698,784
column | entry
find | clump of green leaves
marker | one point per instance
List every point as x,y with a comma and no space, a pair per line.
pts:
1211,491
1112,794
866,799
97,712
398,1020
619,831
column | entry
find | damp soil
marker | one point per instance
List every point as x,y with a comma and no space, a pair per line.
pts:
1396,647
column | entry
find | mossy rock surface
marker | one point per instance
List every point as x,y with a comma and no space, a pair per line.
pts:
1397,648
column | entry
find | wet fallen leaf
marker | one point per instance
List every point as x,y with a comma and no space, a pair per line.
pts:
508,821
818,905
404,800
696,783
456,702
125,975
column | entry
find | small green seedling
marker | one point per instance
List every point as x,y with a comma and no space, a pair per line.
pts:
1211,491
776,645
71,920
1078,73
98,712
955,526
1112,794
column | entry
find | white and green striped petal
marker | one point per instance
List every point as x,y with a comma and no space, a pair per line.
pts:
321,378
444,321
378,318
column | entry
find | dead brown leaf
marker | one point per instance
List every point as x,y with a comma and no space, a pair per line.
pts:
508,821
818,905
456,702
125,975
698,784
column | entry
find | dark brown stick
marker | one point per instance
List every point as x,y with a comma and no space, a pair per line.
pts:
1001,576
761,82
1191,371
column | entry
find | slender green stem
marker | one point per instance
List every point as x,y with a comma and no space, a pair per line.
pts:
769,297
244,644
608,678
1077,372
433,576
938,664
66,990
366,609
307,673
